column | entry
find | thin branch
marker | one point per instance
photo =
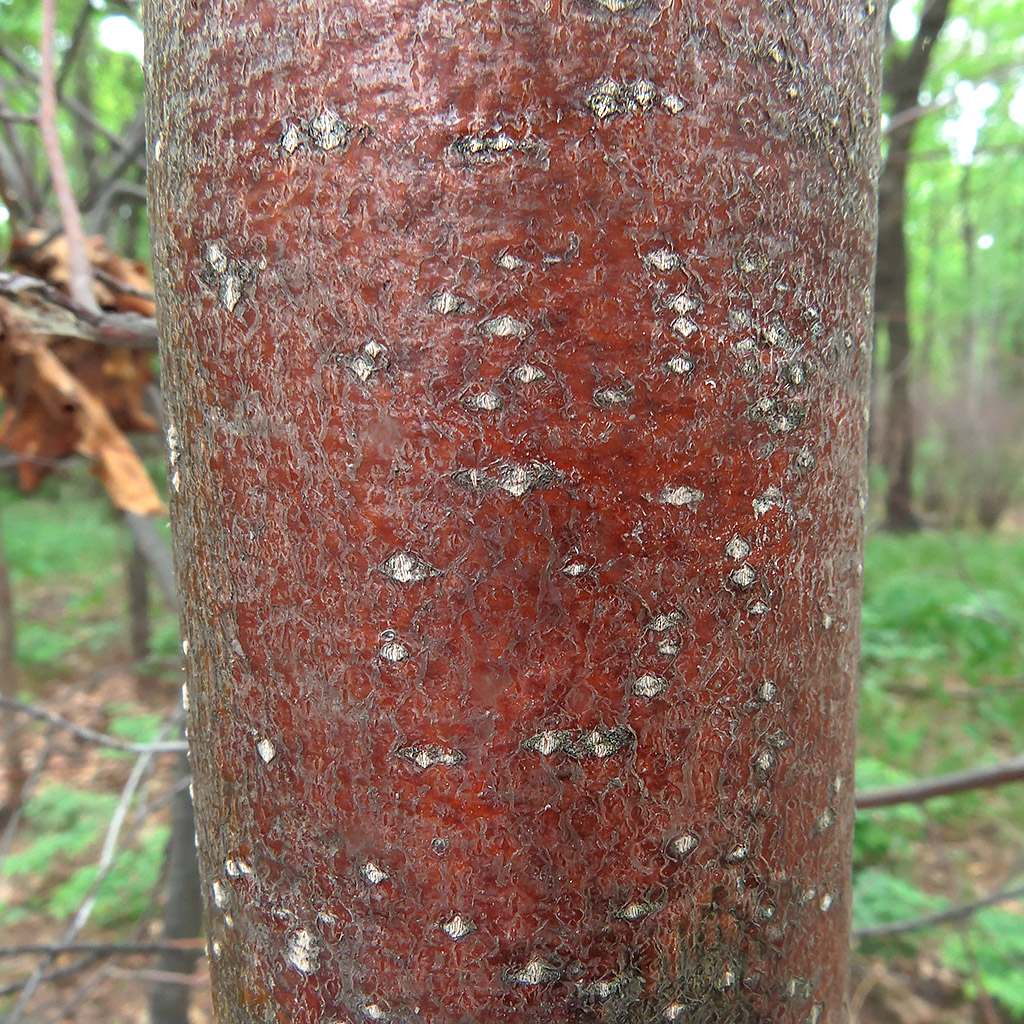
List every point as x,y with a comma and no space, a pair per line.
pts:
152,974
942,785
49,745
99,196
914,113
80,283
131,192
77,36
120,288
81,112
990,149
911,114
103,948
958,913
11,461
103,866
91,735
28,202
62,972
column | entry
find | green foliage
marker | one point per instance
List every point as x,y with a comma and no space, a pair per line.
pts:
63,826
68,576
127,889
990,953
888,833
45,540
927,610
882,898
941,610
63,823
165,641
127,722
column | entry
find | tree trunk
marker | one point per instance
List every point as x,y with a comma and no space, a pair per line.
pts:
15,774
169,1000
516,357
137,587
903,79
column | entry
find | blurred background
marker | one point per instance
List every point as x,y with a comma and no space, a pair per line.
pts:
99,916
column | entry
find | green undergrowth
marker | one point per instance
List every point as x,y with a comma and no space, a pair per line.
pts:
54,866
942,690
67,550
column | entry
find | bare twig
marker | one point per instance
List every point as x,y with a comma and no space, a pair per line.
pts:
61,972
103,866
920,110
159,977
120,287
81,112
18,188
992,149
958,913
99,196
49,745
91,735
100,952
943,785
863,990
80,283
10,461
103,948
77,37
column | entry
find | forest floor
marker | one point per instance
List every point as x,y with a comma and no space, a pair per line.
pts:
942,690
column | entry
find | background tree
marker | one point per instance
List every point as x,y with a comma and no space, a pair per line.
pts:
904,75
949,245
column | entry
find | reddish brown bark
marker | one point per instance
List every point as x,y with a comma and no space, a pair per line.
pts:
516,356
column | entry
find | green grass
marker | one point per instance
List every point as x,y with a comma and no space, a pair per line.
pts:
63,826
942,683
67,550
944,603
942,690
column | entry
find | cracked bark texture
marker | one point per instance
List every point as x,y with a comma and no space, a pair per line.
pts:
516,357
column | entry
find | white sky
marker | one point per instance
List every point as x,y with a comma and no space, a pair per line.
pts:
120,34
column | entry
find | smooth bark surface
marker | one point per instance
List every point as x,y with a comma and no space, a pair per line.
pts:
516,357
